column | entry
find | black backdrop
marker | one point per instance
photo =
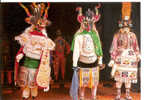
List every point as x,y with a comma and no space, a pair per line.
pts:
64,17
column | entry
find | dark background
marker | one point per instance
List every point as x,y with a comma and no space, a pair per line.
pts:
63,16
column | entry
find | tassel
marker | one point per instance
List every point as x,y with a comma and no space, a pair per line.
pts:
74,86
90,78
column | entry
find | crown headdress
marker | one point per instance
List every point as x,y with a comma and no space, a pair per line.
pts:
126,15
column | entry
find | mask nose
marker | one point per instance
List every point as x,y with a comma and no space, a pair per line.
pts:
90,25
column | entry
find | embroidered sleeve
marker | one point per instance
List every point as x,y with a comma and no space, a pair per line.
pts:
76,51
113,49
135,45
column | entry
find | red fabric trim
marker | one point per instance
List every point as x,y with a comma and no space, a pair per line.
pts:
80,19
37,33
97,17
17,64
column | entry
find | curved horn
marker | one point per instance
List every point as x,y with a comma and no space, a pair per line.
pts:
97,12
96,8
25,8
34,4
79,9
99,5
46,10
42,8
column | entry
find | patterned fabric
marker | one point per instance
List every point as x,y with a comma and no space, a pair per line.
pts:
125,52
88,77
126,76
34,44
122,42
43,74
27,77
96,41
36,48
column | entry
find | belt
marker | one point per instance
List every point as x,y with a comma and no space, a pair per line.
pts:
90,65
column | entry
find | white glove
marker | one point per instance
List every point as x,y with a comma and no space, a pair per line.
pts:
19,57
138,58
111,63
46,89
100,61
113,71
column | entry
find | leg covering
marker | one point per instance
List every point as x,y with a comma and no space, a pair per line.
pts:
62,66
81,92
128,86
118,94
94,91
128,97
34,92
118,86
26,92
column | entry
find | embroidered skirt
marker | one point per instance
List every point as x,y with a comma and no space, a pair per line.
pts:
125,74
88,77
27,77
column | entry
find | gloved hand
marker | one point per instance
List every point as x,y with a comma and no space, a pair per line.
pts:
19,57
111,63
75,68
100,60
46,89
102,66
113,71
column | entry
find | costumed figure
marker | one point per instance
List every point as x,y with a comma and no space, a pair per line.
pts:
125,54
35,47
61,50
87,55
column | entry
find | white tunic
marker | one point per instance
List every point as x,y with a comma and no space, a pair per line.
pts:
84,50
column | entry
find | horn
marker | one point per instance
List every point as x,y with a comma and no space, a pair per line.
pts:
25,8
46,10
35,5
79,9
42,8
96,8
99,5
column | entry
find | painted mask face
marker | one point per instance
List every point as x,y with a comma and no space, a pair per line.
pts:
89,20
126,29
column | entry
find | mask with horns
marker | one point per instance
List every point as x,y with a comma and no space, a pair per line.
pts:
89,19
39,15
